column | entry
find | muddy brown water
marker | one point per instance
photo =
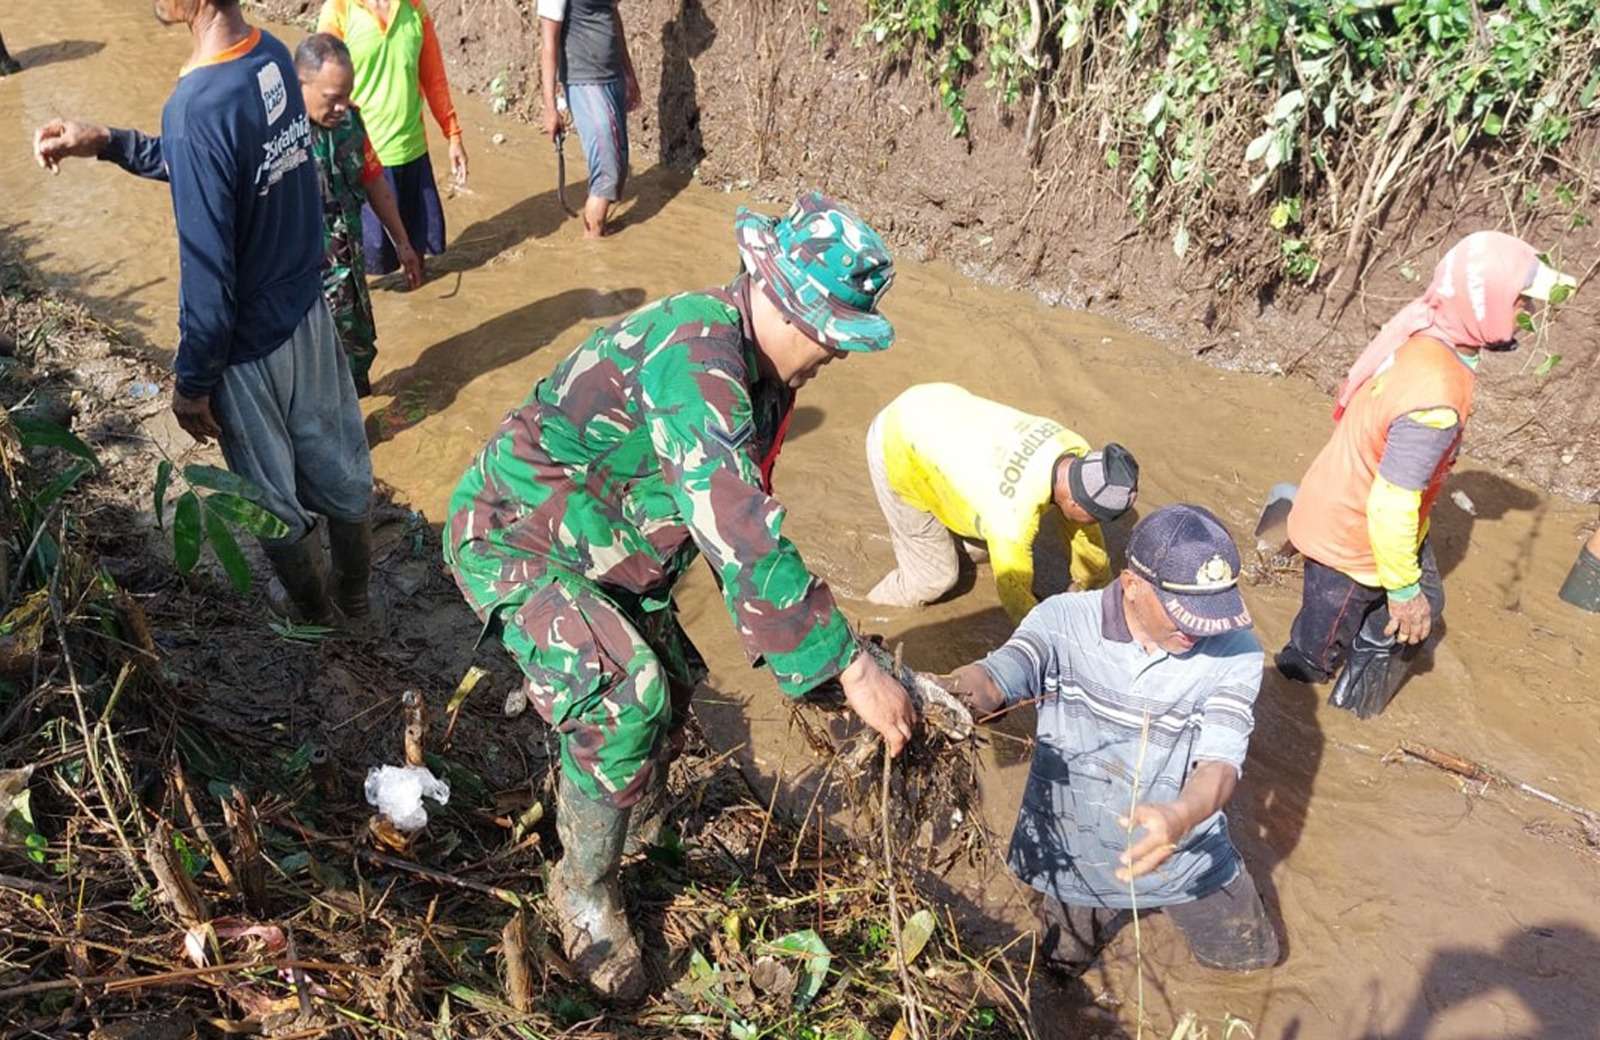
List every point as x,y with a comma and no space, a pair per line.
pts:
1409,905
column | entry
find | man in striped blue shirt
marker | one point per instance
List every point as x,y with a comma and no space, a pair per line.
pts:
1145,694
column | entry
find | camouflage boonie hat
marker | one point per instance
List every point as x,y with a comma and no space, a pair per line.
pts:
824,267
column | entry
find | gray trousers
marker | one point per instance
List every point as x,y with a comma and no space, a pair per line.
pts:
926,566
1227,930
291,424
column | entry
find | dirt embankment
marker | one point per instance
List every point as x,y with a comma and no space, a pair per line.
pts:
776,96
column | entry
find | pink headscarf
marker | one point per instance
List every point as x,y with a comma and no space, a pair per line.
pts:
1471,301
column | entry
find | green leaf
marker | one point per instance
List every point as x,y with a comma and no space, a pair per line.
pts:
1548,365
1493,123
1587,95
163,478
22,806
1154,107
36,845
441,1026
35,433
916,932
294,862
60,485
227,550
186,534
814,971
194,864
214,479
1287,105
1524,322
245,514
1257,149
1560,294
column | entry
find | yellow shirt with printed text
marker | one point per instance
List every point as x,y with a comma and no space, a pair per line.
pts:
986,471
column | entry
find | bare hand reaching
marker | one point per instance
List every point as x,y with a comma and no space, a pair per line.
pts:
1164,825
64,139
879,701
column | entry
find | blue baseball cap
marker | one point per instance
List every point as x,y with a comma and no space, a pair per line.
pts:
1190,558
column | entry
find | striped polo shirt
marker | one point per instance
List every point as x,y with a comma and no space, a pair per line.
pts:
1095,688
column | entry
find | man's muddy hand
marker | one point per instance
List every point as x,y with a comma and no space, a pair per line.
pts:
879,701
1410,620
195,416
1164,824
64,139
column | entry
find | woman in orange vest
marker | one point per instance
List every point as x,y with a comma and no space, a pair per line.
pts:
1360,518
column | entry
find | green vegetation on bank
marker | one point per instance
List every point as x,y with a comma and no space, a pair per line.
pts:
1309,115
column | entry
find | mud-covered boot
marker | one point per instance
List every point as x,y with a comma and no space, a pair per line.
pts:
350,544
587,900
1371,675
649,813
300,572
8,64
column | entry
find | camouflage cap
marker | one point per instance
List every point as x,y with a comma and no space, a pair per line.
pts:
824,267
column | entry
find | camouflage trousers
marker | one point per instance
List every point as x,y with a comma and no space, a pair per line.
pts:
611,677
344,286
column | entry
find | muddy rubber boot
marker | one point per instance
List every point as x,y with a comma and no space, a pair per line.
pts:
1582,587
299,568
648,815
584,893
1371,675
350,545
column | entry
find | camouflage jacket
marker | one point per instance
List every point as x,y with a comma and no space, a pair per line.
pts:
345,163
643,449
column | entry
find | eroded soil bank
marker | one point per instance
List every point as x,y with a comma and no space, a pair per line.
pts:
1409,906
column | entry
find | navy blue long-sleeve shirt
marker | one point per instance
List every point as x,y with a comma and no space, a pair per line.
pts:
235,147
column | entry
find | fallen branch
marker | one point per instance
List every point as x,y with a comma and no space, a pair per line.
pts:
913,1016
1483,774
505,895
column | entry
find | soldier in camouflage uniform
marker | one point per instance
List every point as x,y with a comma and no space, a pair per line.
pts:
350,175
652,444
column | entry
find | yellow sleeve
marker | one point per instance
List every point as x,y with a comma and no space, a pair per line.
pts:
1394,524
331,19
1086,546
1013,576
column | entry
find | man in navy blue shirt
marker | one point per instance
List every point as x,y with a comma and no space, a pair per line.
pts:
258,362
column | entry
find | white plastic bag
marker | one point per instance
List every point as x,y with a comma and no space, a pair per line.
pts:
397,793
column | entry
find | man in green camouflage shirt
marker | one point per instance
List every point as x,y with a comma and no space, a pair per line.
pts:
350,175
651,444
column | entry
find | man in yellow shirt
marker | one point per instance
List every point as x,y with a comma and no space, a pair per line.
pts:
944,461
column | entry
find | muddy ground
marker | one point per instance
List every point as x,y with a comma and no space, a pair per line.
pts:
1409,905
774,96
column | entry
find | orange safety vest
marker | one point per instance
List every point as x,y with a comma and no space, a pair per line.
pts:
1329,520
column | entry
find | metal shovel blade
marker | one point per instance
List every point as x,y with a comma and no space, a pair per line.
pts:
561,173
1272,529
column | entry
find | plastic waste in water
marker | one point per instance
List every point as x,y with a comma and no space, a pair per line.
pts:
397,793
